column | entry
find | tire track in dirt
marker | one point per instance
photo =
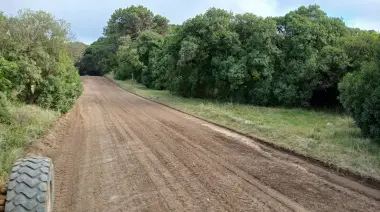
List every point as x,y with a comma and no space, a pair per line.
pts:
323,191
200,152
119,152
216,165
163,169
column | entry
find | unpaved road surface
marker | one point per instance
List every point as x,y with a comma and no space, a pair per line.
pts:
119,152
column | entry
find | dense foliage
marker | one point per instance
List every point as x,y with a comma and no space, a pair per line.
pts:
5,114
101,56
35,66
295,60
76,50
360,95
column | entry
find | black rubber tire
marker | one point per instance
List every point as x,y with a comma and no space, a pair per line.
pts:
31,186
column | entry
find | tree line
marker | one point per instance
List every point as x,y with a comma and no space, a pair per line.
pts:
304,58
35,64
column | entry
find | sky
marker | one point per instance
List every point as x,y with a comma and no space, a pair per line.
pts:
88,17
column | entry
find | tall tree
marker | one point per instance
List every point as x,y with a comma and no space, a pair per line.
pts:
101,56
160,25
303,34
129,21
76,50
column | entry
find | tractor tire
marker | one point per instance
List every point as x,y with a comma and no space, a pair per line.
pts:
31,186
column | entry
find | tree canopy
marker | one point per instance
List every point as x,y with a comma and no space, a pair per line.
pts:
35,66
76,50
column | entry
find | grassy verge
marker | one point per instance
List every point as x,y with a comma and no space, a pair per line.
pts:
329,137
27,123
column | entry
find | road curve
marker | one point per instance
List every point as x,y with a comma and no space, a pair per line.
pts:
118,152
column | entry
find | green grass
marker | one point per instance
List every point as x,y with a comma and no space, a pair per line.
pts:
27,123
327,136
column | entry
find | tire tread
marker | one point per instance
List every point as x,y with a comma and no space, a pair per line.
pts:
28,185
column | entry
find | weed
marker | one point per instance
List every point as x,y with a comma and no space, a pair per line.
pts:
27,123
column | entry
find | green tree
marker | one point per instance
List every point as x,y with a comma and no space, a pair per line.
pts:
160,25
205,41
360,96
34,51
129,65
360,46
256,60
148,45
76,50
302,35
99,57
8,76
129,21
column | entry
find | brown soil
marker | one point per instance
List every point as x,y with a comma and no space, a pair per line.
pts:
3,191
118,152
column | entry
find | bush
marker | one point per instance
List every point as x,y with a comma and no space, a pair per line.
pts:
35,66
27,124
60,92
360,96
5,114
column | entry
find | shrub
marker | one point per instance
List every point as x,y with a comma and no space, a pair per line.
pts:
5,114
360,96
60,92
35,66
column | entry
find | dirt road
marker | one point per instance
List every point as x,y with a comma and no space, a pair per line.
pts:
118,152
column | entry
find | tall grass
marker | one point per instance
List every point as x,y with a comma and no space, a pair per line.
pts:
327,136
26,124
